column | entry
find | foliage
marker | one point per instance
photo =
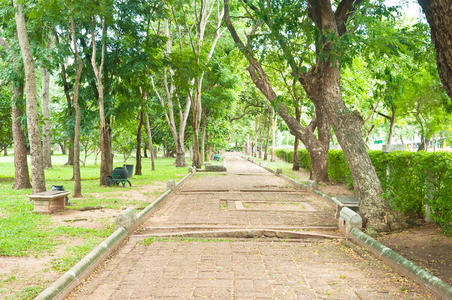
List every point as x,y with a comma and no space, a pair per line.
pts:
6,135
409,179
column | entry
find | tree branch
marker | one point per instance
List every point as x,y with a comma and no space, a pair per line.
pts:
383,115
343,12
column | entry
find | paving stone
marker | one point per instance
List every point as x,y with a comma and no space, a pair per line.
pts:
237,269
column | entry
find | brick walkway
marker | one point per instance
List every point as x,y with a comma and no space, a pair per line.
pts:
247,197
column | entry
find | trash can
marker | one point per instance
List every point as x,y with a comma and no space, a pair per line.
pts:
60,188
129,169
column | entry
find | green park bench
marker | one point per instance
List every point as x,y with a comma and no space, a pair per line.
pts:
118,176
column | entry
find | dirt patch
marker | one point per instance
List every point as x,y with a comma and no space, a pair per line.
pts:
140,193
303,174
336,190
426,246
94,219
18,273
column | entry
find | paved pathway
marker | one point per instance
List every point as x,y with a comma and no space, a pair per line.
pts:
247,197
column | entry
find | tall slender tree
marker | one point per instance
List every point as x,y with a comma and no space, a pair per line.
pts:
21,176
106,156
45,107
328,26
34,136
171,104
78,73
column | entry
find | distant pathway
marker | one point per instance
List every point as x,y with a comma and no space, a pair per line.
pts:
229,206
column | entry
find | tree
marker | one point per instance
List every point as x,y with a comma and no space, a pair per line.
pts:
317,146
438,14
327,31
45,107
206,8
37,168
172,95
106,156
21,177
78,74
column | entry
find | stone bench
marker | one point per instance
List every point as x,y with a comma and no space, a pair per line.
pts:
49,202
345,201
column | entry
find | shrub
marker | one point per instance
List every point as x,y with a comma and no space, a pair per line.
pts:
409,179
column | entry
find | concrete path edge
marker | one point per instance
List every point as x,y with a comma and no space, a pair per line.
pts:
60,288
402,265
387,255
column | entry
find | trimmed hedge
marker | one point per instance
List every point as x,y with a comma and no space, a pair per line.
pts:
409,179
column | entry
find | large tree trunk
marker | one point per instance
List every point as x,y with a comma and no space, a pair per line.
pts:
151,146
76,168
180,154
21,177
347,127
34,136
46,148
438,13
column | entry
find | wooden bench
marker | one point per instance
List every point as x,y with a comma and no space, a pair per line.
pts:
49,202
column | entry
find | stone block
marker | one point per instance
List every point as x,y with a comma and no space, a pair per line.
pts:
393,147
348,219
171,185
312,184
126,218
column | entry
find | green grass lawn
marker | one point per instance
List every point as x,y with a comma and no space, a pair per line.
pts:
24,233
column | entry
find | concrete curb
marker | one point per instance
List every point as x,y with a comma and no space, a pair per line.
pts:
402,265
61,288
245,233
127,222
